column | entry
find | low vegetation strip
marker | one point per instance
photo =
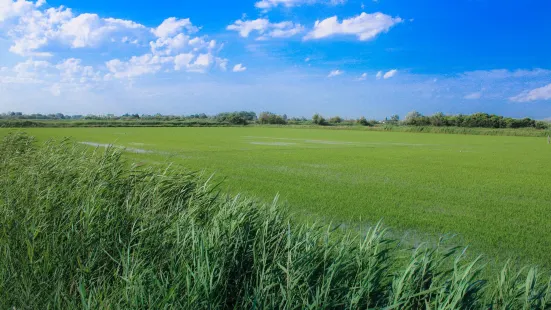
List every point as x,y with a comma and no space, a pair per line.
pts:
477,123
82,228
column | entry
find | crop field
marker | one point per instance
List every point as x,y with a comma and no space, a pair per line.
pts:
493,192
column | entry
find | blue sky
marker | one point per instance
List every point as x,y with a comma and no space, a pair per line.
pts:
299,57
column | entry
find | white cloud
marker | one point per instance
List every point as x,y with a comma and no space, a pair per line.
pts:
38,32
89,30
203,60
307,59
202,63
283,30
335,73
246,27
390,74
269,4
541,93
265,28
72,71
172,50
379,75
182,61
239,68
362,77
30,71
473,96
10,9
172,26
364,26
34,29
69,75
136,66
222,63
167,46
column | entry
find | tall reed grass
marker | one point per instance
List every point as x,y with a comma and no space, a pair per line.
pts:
86,229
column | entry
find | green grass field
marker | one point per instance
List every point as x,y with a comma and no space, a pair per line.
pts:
494,192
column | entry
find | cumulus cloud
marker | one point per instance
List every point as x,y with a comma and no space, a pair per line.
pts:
473,96
390,74
172,50
38,32
239,68
10,9
265,28
172,26
171,45
183,61
362,77
364,26
73,71
335,73
33,29
379,75
29,71
202,63
541,93
89,30
136,66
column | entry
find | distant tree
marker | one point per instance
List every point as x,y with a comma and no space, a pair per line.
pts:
235,118
272,118
335,120
437,119
394,119
542,125
363,121
412,118
319,120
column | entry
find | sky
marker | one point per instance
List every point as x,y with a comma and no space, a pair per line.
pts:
352,58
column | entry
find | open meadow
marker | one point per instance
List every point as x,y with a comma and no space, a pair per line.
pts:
494,192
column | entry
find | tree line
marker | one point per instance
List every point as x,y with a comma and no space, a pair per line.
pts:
414,118
483,120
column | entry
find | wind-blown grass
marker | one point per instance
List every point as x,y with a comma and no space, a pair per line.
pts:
83,228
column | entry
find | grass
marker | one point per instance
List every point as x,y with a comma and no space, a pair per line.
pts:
86,229
491,191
